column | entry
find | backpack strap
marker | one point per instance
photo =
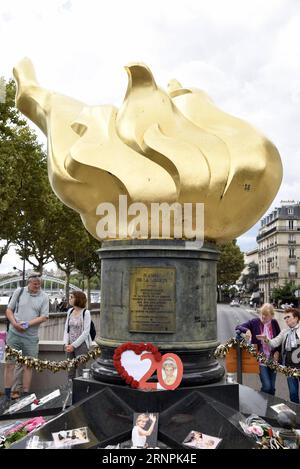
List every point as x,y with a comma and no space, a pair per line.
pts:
18,300
69,314
15,309
83,313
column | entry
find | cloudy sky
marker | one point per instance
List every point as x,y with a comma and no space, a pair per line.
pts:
244,54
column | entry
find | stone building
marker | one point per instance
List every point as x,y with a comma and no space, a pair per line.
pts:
279,248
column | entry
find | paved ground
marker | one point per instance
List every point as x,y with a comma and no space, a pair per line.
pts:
228,318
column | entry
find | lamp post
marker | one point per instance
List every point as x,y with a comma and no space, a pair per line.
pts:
269,260
23,274
22,217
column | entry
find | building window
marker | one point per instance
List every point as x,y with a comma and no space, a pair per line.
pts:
292,253
291,224
290,211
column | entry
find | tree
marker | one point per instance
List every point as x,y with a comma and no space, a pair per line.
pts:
88,262
229,266
70,242
39,227
26,199
285,293
16,146
32,217
250,280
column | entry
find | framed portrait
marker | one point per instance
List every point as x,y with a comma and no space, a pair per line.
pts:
75,436
199,440
144,430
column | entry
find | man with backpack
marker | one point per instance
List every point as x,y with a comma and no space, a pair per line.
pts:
27,309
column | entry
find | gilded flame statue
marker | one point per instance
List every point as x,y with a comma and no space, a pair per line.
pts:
174,146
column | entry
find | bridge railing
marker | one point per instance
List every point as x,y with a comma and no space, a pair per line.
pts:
53,329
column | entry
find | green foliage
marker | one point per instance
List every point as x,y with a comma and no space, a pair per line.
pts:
20,157
32,217
13,437
80,281
230,264
250,280
87,260
39,226
285,293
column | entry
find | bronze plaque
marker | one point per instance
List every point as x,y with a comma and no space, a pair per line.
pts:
152,300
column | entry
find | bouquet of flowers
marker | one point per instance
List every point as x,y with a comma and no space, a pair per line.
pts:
18,431
264,435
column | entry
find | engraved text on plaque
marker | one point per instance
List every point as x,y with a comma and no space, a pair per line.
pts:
152,300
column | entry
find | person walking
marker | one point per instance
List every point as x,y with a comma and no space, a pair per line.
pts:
266,325
289,340
26,311
77,337
55,305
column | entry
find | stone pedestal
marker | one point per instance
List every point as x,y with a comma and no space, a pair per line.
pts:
163,292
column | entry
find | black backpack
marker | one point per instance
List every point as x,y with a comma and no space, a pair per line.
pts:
92,326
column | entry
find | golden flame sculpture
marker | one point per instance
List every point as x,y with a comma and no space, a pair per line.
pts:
158,147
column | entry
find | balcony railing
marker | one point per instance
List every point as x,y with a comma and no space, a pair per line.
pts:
266,233
277,229
270,276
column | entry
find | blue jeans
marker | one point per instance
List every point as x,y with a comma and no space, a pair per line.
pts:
267,378
293,384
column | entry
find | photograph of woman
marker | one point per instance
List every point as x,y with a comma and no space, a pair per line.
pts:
144,432
199,440
76,436
169,371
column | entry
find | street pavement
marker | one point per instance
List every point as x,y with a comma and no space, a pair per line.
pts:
228,317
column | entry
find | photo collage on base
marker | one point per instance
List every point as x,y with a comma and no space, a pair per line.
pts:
64,439
144,435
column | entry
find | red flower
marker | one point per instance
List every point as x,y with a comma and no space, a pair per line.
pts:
129,380
137,349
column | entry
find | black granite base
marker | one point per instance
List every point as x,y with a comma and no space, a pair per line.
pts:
157,401
51,408
108,414
108,410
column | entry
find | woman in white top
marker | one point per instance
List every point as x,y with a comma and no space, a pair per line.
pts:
139,435
77,338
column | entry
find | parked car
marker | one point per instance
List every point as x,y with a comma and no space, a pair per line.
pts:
235,303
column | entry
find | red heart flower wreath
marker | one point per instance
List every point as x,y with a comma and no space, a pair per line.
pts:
138,349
